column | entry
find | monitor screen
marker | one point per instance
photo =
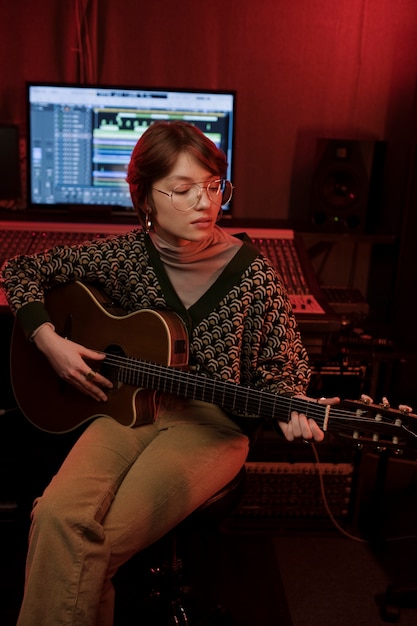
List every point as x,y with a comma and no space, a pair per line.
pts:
80,138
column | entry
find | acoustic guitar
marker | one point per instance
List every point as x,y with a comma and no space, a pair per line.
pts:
147,352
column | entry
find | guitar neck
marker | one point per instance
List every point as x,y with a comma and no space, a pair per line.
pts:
365,424
239,400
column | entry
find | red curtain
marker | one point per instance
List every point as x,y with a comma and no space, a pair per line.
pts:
301,69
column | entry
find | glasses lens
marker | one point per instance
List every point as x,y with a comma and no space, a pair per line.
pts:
227,192
185,197
214,190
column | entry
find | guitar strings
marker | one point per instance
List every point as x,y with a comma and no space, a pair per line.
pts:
263,401
267,399
172,376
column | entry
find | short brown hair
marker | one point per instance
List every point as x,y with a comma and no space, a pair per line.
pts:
156,152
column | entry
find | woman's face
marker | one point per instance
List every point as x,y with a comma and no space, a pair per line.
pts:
196,224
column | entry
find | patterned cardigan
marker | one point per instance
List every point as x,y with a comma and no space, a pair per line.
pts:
242,329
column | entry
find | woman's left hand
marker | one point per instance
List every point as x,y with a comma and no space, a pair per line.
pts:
301,427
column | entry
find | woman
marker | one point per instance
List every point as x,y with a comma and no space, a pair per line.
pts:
120,488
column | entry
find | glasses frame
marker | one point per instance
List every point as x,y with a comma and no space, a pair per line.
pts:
202,187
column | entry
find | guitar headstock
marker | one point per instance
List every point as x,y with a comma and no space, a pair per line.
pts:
366,406
379,426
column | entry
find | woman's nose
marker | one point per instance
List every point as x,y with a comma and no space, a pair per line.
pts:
204,199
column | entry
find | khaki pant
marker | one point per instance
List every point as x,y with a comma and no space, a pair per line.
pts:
118,491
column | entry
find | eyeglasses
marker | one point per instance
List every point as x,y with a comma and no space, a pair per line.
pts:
186,196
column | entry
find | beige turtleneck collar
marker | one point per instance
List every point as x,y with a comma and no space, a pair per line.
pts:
193,268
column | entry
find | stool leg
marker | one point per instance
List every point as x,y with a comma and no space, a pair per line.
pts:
178,615
167,593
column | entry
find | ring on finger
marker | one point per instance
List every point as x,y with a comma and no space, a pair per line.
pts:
90,376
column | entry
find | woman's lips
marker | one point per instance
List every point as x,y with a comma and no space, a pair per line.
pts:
202,223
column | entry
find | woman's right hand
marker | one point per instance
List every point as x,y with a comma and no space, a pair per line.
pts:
73,362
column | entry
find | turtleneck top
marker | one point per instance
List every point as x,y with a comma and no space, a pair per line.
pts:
194,268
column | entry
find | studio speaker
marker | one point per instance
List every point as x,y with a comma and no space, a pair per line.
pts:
9,162
347,185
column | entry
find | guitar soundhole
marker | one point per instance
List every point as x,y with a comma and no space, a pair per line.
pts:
110,367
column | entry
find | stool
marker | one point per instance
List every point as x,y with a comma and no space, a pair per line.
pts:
170,599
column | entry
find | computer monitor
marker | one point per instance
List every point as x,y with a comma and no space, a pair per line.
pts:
80,138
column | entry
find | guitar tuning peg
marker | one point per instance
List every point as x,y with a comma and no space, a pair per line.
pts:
385,403
404,408
366,399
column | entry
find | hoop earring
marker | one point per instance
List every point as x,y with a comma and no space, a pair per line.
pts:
148,221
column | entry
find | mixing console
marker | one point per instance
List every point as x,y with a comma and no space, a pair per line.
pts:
282,246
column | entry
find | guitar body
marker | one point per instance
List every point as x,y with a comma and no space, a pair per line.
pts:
83,314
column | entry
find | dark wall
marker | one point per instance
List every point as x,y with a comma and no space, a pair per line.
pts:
301,70
404,305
